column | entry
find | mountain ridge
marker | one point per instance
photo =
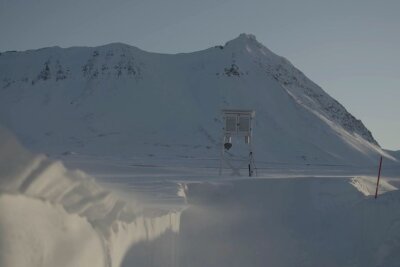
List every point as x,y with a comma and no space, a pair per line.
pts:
241,64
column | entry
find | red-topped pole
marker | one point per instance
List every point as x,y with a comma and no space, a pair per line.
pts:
379,177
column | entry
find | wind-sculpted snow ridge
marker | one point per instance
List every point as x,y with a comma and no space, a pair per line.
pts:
117,100
290,222
51,216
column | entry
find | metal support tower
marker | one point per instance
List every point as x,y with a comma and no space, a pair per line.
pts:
237,123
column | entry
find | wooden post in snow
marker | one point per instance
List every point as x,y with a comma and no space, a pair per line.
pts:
379,177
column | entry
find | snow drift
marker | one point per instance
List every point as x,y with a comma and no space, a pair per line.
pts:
119,100
51,216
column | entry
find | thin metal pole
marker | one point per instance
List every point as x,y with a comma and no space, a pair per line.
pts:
379,177
222,156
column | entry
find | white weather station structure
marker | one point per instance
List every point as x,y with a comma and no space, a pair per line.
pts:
237,123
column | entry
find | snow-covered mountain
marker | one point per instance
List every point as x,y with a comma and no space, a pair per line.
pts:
119,100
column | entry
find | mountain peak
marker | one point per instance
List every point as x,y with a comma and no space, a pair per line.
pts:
243,39
247,36
248,42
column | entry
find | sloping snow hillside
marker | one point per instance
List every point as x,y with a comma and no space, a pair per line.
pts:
119,100
395,154
51,216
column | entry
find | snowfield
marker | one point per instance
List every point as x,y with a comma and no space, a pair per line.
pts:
289,222
169,215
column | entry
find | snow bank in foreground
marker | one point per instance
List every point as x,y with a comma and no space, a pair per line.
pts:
52,216
38,233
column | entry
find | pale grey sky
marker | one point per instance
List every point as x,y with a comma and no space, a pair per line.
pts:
350,48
